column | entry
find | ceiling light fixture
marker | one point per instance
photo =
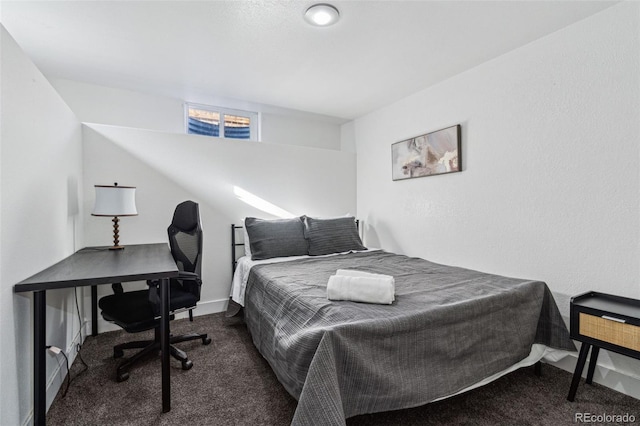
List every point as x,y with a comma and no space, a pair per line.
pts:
322,15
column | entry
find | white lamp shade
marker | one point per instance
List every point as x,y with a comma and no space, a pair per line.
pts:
115,201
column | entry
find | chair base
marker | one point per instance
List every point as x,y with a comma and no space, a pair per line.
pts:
152,347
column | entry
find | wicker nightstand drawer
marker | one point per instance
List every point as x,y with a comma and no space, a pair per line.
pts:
611,330
603,321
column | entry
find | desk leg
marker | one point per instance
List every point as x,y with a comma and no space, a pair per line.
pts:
592,364
582,358
94,310
164,345
39,364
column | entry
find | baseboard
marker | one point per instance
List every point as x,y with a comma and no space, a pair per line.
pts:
59,374
204,308
55,380
627,383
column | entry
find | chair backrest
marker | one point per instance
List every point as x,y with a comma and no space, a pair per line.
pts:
185,237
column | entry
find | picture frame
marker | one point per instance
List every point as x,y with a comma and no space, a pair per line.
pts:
430,154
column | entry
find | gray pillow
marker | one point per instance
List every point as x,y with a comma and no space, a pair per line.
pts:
276,238
326,236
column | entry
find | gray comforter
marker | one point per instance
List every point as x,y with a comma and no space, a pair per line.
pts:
447,329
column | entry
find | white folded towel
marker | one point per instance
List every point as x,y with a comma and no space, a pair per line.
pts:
358,286
354,273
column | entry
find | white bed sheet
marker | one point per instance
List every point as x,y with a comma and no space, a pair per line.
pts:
244,265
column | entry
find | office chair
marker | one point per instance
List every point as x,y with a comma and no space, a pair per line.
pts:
137,311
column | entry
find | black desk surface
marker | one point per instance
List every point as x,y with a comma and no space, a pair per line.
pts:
99,265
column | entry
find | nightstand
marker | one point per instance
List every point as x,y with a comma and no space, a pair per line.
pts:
603,321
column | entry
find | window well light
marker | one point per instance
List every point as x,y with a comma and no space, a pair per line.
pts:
322,15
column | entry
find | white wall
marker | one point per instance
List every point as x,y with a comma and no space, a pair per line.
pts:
41,193
550,187
348,137
168,168
301,129
106,105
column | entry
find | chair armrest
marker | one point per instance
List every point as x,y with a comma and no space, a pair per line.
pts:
184,275
189,281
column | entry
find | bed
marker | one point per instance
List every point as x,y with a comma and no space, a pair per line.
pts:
449,329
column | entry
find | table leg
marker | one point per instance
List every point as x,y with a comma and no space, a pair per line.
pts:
39,361
582,358
592,364
164,345
94,310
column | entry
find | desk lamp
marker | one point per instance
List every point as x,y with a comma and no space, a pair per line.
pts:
115,201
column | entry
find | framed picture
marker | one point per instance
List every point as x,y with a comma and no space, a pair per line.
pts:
430,154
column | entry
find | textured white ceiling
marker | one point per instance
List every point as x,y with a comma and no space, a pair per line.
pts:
264,51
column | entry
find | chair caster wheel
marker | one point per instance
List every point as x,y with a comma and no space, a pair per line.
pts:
122,377
206,340
118,353
186,365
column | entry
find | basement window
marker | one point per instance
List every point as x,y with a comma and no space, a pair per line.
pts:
221,122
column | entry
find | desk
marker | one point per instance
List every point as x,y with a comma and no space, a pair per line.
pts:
89,267
601,320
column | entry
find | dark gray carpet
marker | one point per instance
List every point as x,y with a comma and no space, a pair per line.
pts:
231,384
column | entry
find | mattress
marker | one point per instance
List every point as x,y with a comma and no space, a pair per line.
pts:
450,329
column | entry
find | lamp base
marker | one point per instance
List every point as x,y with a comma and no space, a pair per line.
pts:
116,242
